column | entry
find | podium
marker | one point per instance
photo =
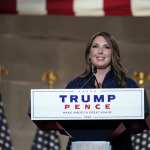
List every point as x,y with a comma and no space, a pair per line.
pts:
71,110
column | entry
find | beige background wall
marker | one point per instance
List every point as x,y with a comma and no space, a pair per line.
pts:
30,45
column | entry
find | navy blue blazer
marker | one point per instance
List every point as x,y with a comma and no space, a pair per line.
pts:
109,82
98,130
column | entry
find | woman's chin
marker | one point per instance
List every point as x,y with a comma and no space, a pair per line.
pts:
102,66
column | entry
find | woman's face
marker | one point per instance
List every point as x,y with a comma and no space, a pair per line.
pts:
100,53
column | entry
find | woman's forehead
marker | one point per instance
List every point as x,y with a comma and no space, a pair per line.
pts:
99,39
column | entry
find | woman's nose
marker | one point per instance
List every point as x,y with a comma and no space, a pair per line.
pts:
100,50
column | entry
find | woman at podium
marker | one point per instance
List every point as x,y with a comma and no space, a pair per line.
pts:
104,70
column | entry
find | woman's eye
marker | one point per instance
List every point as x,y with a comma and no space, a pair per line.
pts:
107,46
94,46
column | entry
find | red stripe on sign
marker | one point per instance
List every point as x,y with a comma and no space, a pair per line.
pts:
60,7
8,6
117,8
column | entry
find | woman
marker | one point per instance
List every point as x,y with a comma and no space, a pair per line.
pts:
103,70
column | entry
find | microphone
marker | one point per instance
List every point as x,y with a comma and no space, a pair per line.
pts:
94,70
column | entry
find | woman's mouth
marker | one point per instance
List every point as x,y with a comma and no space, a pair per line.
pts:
100,58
